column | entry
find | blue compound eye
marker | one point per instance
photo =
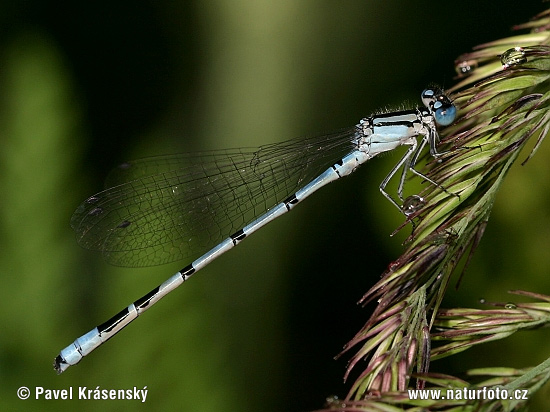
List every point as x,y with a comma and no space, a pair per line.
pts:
444,114
440,106
428,96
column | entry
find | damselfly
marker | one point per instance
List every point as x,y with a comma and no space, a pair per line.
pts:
198,206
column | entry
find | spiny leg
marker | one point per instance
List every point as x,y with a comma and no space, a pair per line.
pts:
403,161
432,139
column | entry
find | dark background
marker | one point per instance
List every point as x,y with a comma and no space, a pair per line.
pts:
85,87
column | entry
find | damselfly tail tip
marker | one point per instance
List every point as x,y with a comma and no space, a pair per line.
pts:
59,364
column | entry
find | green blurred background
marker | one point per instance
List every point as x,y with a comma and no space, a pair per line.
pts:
84,87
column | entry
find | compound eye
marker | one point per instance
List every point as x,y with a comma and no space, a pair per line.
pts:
428,97
444,113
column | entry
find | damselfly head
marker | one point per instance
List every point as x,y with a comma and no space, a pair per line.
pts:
443,110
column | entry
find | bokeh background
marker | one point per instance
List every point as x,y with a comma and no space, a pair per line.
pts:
85,86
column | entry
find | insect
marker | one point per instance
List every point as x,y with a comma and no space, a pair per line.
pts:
199,206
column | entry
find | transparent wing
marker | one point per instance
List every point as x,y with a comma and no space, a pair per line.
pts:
167,208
